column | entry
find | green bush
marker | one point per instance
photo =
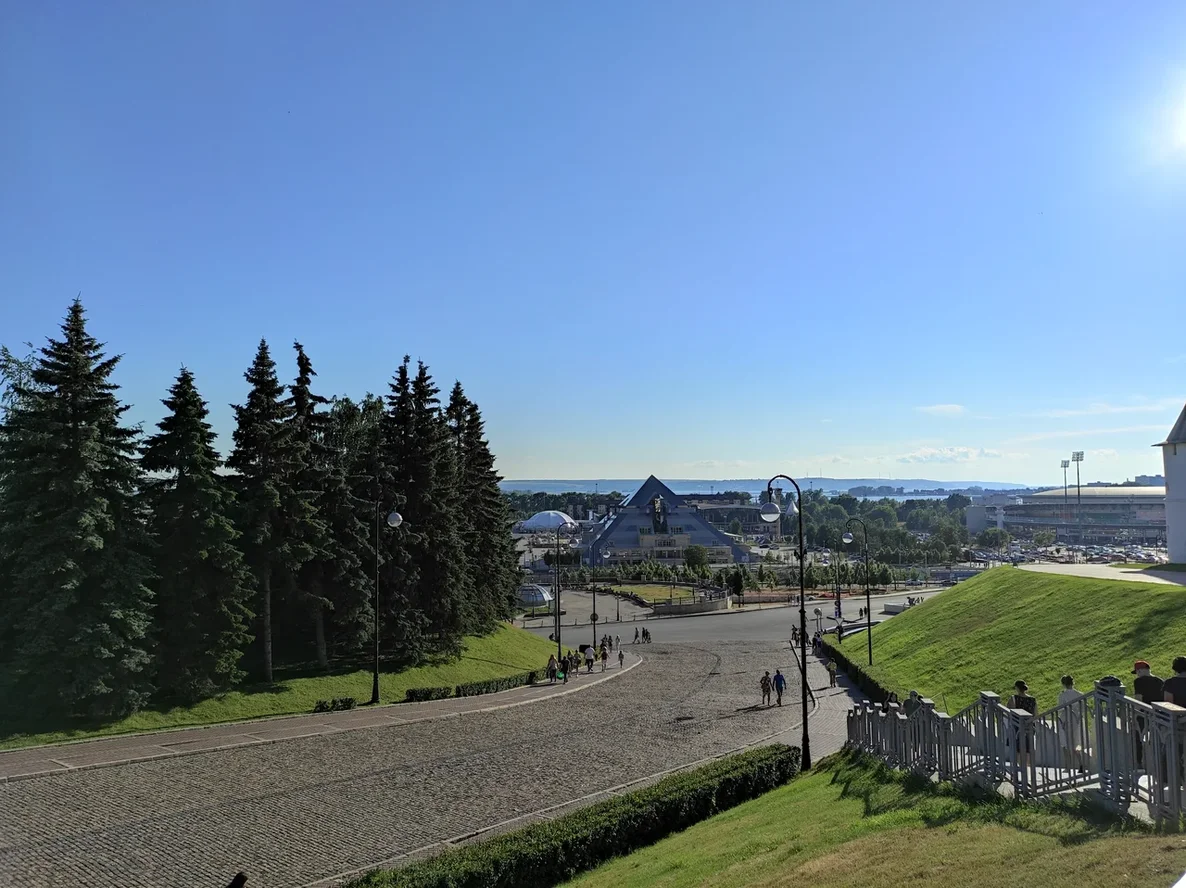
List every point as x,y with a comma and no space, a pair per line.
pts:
419,695
337,704
494,685
548,853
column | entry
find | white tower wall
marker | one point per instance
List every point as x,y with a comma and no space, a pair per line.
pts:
1174,457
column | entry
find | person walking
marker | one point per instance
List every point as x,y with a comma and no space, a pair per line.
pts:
618,642
589,659
831,667
1174,688
1070,725
912,704
636,635
621,658
552,668
765,685
780,685
604,658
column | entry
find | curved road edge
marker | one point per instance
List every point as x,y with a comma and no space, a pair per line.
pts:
30,762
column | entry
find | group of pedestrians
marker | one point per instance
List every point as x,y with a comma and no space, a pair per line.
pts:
570,663
643,636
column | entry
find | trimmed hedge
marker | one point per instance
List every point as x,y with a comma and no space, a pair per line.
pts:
420,695
872,688
337,704
494,685
551,852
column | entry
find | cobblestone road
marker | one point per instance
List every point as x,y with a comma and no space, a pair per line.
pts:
293,813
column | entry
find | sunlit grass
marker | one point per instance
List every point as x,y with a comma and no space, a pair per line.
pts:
506,651
1008,624
858,824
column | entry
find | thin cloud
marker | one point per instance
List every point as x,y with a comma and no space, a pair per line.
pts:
948,455
943,409
1088,433
1105,409
1104,453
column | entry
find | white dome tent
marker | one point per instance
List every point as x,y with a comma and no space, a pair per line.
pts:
549,520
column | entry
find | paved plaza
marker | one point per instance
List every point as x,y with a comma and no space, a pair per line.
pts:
310,810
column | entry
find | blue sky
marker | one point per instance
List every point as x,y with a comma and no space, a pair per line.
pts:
694,239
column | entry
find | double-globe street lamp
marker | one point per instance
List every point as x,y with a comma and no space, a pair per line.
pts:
770,512
394,519
848,540
603,552
552,520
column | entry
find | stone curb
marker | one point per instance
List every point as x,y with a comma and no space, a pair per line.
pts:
69,769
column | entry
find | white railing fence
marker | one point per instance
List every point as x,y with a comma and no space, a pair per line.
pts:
1127,750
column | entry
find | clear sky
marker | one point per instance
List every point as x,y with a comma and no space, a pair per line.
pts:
941,240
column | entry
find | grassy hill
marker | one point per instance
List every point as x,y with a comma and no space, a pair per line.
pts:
855,823
1007,624
506,651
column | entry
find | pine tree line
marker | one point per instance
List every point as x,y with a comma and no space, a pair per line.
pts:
135,567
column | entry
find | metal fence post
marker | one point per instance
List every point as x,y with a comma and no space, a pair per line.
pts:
1112,743
943,730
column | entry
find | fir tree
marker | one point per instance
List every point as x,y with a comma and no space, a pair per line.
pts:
443,588
201,619
352,435
404,624
72,537
270,505
333,584
486,530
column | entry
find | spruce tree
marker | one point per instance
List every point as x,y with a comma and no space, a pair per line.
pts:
486,530
333,585
443,589
404,625
201,620
269,504
351,435
72,538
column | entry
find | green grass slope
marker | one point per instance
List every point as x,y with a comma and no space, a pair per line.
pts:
856,823
506,651
1009,623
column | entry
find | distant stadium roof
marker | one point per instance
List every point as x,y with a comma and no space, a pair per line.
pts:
1100,492
1177,434
549,520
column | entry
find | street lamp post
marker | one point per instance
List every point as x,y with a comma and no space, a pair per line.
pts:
848,538
1076,458
771,512
1066,497
394,519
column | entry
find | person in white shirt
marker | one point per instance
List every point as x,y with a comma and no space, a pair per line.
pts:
1070,725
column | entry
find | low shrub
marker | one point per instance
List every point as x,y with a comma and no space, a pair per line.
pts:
552,852
337,704
494,685
420,695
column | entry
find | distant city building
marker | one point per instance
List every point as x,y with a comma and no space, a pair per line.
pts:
1173,455
1149,480
657,524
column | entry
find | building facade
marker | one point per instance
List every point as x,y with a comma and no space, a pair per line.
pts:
1090,515
1173,455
